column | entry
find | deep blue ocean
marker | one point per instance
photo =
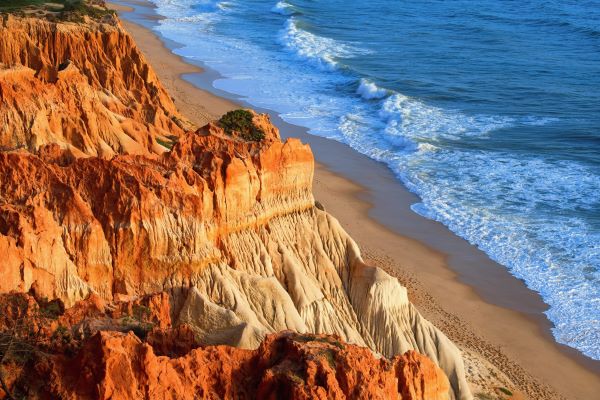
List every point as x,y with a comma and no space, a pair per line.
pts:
488,110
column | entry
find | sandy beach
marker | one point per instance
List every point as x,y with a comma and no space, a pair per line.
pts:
498,323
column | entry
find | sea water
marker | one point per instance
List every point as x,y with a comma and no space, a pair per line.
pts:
489,111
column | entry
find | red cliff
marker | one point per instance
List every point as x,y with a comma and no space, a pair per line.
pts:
78,358
84,86
95,206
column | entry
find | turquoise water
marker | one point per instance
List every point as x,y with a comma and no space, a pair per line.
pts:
488,110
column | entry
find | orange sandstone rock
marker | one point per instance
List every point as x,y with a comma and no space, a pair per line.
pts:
94,208
286,366
70,227
86,87
111,362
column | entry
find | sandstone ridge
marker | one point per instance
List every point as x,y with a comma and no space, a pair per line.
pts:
93,205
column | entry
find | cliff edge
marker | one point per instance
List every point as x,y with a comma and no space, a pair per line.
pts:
106,191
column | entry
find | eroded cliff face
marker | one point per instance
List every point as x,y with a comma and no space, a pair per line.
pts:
228,228
286,366
84,86
91,352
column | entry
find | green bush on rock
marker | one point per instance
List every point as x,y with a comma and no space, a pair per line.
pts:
240,121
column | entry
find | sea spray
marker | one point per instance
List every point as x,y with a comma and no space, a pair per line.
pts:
283,8
370,91
321,51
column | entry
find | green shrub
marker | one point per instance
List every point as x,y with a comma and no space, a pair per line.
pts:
62,333
15,5
74,10
70,10
141,313
240,121
141,330
313,338
165,143
330,357
51,309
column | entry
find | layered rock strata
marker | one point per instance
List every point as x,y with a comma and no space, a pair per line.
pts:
92,204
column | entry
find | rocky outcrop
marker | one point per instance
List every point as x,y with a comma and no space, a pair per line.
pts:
227,227
286,366
84,86
136,225
90,351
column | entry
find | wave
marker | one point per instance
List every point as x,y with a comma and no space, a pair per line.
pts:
174,8
203,14
522,212
283,8
321,51
370,91
224,5
203,18
416,120
538,121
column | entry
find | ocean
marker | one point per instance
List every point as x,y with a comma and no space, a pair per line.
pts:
489,111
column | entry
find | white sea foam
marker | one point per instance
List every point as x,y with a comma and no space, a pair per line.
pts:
425,147
416,120
202,14
370,91
321,51
203,19
224,5
518,209
494,200
283,8
538,121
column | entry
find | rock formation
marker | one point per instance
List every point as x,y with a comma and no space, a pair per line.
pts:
84,86
91,352
93,205
286,366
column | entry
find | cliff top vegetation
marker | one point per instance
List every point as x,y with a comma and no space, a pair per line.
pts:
64,10
241,121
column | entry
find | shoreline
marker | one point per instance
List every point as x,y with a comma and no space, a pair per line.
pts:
485,310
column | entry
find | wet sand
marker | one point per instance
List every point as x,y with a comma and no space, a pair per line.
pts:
491,315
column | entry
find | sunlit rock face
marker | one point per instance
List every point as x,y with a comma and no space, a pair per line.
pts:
91,352
94,204
86,87
285,366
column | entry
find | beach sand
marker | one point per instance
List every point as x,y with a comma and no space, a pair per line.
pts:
198,105
497,322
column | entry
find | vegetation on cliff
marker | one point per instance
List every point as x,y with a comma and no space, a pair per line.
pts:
66,10
241,122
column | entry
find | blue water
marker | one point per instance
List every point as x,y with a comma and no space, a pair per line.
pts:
488,110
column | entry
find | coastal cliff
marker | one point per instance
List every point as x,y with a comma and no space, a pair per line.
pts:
84,86
108,193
